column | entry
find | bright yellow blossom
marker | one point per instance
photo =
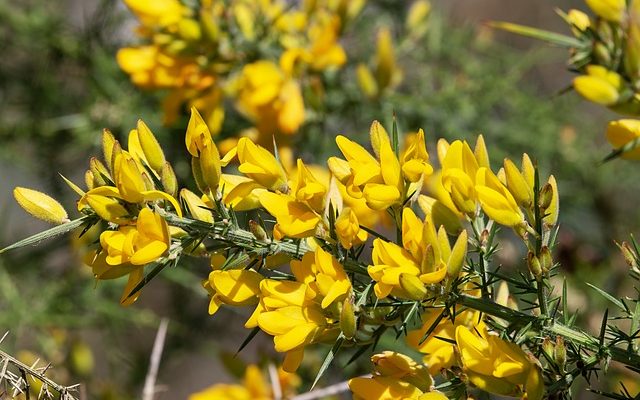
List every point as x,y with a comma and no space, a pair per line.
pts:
599,85
498,366
254,387
425,258
611,10
348,229
621,133
40,205
236,287
259,164
497,201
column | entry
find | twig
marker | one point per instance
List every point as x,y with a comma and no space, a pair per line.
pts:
8,359
326,391
156,353
275,382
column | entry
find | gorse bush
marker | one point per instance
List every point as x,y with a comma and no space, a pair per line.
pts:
317,273
412,257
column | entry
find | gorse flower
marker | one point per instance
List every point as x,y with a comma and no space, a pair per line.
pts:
254,55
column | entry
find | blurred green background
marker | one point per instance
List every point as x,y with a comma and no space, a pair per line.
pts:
60,86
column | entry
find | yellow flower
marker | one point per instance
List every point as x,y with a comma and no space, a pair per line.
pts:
578,20
381,187
348,229
520,187
197,208
415,159
387,72
240,192
134,246
322,273
622,132
40,205
599,85
254,387
295,219
425,258
305,311
141,244
157,13
498,366
236,287
259,164
611,10
496,200
395,376
440,352
269,98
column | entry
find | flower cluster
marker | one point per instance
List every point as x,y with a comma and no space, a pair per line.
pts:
318,263
258,56
605,52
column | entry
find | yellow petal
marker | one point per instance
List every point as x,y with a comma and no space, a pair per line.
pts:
40,205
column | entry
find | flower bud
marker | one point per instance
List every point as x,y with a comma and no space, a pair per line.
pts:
413,287
89,179
108,142
169,180
210,165
560,352
197,208
548,348
458,254
258,231
189,30
40,205
546,261
628,253
517,184
417,17
366,81
534,265
611,10
348,318
602,53
150,147
197,175
100,173
385,61
546,194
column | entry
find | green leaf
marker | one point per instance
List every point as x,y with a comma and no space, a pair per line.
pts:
328,359
49,233
547,36
609,297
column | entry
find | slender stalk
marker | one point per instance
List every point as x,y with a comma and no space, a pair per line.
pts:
540,281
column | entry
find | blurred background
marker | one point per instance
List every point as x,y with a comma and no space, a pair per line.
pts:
60,85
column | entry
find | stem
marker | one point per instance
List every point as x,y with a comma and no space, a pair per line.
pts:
540,281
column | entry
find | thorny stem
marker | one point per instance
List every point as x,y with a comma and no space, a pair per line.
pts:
541,281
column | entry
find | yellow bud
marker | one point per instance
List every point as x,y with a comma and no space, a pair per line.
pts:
40,205
548,347
385,61
196,170
366,81
169,180
99,173
417,17
150,147
197,208
458,254
552,210
578,20
628,253
517,184
89,179
348,318
602,53
108,142
81,359
546,261
189,30
534,265
611,10
412,286
210,165
258,231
